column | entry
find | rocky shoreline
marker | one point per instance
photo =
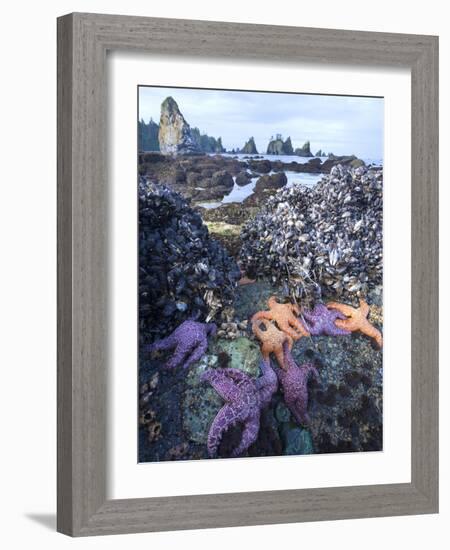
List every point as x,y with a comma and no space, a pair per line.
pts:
212,177
191,260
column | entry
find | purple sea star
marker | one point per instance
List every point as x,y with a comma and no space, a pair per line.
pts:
320,321
244,398
190,341
294,382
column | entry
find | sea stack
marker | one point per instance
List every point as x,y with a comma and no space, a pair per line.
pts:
279,147
250,147
175,136
304,151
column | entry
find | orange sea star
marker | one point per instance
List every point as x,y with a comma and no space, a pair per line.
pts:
285,315
272,340
357,320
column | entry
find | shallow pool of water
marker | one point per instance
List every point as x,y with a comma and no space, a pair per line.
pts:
239,193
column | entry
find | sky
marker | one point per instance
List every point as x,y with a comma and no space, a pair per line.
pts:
340,124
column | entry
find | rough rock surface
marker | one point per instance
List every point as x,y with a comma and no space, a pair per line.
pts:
183,273
345,406
250,147
271,181
175,136
304,151
327,239
279,147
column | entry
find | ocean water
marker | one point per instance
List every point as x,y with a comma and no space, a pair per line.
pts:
293,158
239,193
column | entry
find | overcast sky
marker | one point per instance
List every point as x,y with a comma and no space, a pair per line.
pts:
340,124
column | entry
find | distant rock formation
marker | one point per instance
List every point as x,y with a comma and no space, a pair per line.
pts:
304,151
250,147
279,147
175,135
207,144
320,153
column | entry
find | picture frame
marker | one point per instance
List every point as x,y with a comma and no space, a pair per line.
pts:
83,41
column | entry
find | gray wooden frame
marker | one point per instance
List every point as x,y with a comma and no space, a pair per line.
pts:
83,41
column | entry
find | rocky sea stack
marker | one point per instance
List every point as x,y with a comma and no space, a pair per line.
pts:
327,238
175,135
279,147
304,151
183,272
250,147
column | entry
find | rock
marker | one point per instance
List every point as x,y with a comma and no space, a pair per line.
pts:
282,413
243,178
346,406
273,181
357,163
297,441
261,166
222,178
279,147
210,193
330,235
345,160
234,213
193,178
250,147
315,162
176,259
244,354
304,151
175,136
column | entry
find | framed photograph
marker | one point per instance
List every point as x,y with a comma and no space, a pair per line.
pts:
247,274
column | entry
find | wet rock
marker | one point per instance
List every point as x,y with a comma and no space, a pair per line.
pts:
183,273
243,178
222,178
274,181
244,354
282,413
350,161
296,440
326,240
260,166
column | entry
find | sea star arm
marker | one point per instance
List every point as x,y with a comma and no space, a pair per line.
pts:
257,331
373,332
347,324
235,374
286,327
219,425
299,326
161,345
223,385
272,302
343,308
249,436
262,315
364,307
309,316
298,409
266,349
280,357
177,357
211,329
197,353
